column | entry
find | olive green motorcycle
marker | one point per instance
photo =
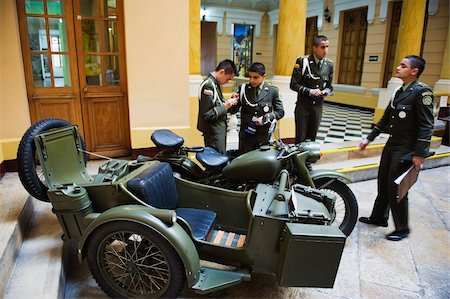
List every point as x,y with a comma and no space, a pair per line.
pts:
144,231
262,165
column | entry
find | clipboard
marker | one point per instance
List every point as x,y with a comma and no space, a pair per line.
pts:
405,181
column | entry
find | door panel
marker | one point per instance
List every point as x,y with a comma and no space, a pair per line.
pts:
208,53
101,65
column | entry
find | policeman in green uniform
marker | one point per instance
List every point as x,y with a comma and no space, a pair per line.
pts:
260,107
409,121
312,79
212,111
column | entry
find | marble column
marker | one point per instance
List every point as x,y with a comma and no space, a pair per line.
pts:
409,42
290,45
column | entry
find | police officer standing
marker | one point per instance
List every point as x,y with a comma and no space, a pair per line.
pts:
409,121
312,79
260,107
212,111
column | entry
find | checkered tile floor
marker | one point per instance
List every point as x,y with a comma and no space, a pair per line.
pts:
341,123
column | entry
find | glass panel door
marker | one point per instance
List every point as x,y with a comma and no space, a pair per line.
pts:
49,58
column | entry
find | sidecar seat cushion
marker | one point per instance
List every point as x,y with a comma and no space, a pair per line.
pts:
200,221
156,187
167,139
209,157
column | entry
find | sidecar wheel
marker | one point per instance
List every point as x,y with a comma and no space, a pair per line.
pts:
30,175
129,260
346,205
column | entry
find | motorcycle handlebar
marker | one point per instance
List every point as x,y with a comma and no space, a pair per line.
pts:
283,179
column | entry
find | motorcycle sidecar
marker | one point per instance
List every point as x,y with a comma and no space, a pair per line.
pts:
144,231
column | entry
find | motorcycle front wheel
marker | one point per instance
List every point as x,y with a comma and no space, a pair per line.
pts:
346,206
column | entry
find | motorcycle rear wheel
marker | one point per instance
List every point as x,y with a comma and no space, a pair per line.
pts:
346,206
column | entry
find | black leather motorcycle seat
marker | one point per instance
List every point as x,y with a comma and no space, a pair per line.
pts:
210,158
167,139
156,187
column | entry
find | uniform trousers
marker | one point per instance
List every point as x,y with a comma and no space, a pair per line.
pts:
249,142
217,141
391,166
307,121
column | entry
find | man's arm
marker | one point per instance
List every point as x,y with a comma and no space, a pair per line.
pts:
330,78
377,129
425,122
277,105
296,78
207,107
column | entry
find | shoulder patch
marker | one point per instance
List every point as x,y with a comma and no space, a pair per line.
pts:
296,66
208,92
428,93
427,100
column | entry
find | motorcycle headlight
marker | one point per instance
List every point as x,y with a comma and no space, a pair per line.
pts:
313,148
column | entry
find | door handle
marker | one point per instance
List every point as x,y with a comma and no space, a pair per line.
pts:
85,89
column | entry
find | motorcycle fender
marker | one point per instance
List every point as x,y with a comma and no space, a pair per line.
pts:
181,163
327,173
155,220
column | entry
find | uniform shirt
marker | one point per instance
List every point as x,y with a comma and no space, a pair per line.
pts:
212,113
408,119
311,78
263,100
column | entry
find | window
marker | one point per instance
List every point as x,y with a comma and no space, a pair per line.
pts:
47,37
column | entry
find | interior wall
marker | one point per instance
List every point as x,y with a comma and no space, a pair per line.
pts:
14,115
434,46
157,53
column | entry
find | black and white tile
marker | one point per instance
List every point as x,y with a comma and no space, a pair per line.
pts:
342,123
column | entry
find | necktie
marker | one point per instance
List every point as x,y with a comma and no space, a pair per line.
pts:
397,94
320,64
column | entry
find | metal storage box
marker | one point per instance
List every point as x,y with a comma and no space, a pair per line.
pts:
309,255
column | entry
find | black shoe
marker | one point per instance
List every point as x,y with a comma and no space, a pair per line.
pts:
398,235
369,220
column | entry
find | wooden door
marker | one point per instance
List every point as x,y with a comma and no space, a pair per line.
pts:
353,46
208,58
74,61
100,46
311,31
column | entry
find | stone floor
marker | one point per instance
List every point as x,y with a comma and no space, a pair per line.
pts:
371,266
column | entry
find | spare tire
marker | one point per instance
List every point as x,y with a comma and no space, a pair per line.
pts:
32,180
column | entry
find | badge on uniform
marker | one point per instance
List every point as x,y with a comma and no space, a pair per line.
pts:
427,100
208,92
402,114
266,109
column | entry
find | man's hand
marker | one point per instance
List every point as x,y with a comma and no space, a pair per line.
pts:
418,162
363,144
230,102
316,92
258,120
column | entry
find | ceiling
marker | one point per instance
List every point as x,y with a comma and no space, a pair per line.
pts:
261,5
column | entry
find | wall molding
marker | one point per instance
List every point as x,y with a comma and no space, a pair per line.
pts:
313,9
433,6
342,5
233,16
